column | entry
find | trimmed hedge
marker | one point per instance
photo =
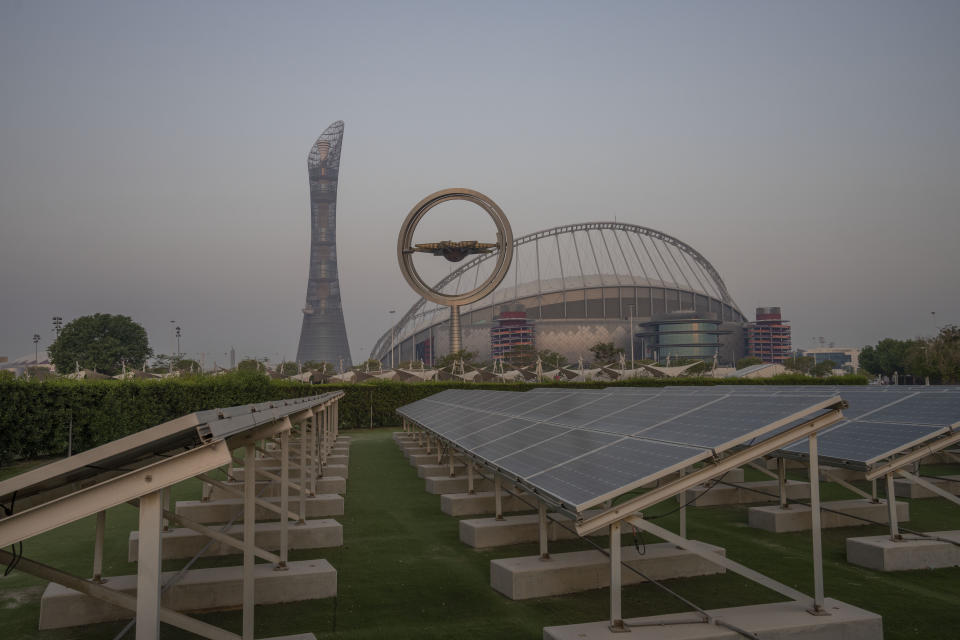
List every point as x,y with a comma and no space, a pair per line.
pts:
35,417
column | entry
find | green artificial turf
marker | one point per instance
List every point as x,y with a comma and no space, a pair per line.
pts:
403,573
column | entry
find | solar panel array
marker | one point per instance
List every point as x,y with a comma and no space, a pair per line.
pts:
880,421
582,447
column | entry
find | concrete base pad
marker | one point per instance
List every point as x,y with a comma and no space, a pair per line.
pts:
906,489
482,533
199,590
458,484
214,511
743,494
185,543
775,621
797,517
479,504
417,459
432,470
412,450
327,484
883,554
531,577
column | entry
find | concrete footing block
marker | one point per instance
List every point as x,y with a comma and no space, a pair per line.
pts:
906,489
746,493
417,459
215,511
185,543
412,450
797,517
330,483
483,533
775,621
198,590
479,503
532,577
433,470
883,554
344,460
440,485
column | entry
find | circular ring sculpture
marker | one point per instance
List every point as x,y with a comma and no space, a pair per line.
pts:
405,251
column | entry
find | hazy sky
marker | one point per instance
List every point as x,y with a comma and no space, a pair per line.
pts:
153,154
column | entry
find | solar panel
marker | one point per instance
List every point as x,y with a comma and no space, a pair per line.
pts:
579,446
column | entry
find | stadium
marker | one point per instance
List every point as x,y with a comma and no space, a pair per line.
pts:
573,286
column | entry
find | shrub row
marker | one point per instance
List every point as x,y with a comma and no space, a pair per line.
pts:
36,418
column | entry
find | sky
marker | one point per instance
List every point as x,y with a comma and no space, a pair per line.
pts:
153,155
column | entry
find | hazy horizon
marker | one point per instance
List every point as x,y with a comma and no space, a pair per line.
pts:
153,156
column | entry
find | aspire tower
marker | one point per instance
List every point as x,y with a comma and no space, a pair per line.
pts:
323,335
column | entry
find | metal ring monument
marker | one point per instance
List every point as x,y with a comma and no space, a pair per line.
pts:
454,252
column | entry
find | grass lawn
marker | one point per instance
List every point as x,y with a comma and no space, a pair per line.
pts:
403,573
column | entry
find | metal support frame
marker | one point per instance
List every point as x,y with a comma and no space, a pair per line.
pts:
682,499
249,532
284,498
832,477
815,532
616,613
782,482
149,488
709,554
98,547
470,488
149,554
929,486
914,456
543,522
497,496
892,510
734,460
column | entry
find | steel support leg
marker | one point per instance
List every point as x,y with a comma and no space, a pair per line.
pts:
497,497
470,488
815,527
98,547
284,497
782,482
249,531
303,473
148,566
892,510
616,615
544,540
682,497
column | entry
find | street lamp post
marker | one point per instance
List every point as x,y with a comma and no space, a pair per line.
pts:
630,337
36,348
173,334
178,342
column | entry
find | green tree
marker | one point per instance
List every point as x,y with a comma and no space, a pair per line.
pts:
551,359
450,358
101,342
605,353
319,365
289,368
887,356
249,364
824,368
802,364
749,361
186,365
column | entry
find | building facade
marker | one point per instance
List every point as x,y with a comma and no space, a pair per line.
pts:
513,339
323,334
845,359
579,285
768,338
681,336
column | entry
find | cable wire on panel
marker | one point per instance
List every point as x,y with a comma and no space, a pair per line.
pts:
707,618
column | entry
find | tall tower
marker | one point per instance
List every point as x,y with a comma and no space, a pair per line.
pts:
323,336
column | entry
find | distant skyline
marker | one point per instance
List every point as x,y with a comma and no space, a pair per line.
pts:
152,155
